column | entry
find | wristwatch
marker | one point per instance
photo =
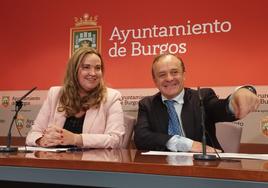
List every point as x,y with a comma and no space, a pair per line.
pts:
250,88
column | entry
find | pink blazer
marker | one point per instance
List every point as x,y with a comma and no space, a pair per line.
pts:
103,127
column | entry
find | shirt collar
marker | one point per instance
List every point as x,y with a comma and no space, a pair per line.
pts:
178,98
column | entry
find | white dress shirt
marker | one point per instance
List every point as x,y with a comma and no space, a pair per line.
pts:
177,142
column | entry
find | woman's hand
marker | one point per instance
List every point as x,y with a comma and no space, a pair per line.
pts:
54,136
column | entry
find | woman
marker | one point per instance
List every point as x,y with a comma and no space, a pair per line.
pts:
83,112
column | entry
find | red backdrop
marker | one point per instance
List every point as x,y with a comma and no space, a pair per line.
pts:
35,41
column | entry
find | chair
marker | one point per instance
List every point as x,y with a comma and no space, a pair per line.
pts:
129,122
229,135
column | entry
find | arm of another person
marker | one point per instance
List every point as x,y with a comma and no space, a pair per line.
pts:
236,106
243,101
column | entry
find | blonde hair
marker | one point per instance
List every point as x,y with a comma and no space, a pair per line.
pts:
70,100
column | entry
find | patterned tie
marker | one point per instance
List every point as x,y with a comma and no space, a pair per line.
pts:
174,126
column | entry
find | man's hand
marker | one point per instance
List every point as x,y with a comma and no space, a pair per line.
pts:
243,102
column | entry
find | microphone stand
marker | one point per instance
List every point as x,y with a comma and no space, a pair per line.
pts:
18,106
204,155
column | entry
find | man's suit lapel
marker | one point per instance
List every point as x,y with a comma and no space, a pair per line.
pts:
161,113
187,115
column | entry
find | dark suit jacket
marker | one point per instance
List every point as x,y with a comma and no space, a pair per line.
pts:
151,129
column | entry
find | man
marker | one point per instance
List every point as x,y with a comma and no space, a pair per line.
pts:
155,128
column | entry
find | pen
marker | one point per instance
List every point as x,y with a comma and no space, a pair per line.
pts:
74,149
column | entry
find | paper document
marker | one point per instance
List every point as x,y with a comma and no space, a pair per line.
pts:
222,155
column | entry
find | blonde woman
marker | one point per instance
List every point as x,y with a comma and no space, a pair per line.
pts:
83,112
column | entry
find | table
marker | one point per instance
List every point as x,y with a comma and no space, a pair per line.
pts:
129,168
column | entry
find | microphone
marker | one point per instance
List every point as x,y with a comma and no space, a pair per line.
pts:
18,106
204,155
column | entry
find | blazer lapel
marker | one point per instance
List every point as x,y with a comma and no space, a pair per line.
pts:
59,119
90,118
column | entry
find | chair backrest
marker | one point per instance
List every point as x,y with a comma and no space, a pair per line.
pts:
229,136
129,122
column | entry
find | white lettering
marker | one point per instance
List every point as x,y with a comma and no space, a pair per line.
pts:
146,50
115,33
136,51
228,26
115,51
